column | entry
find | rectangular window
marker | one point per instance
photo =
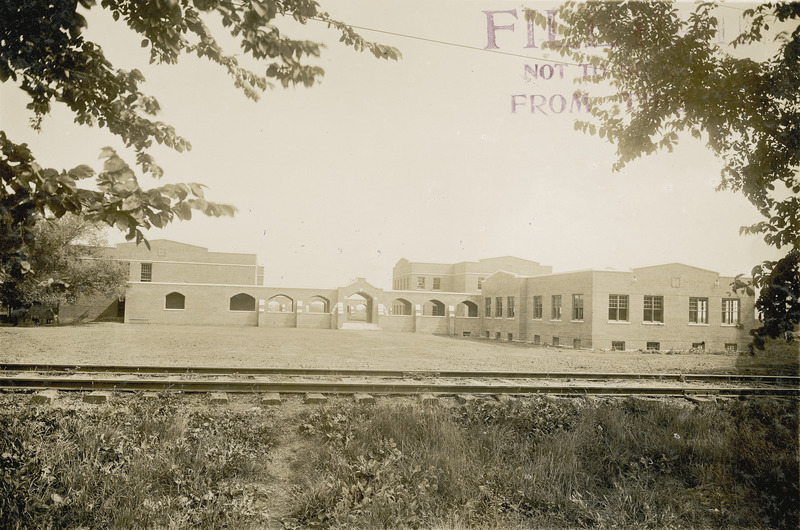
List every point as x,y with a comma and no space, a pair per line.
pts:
466,333
730,311
147,272
488,335
653,346
618,345
537,307
437,283
698,310
537,339
510,337
653,309
618,307
497,335
698,345
510,307
555,309
555,341
731,347
480,283
421,282
577,307
488,307
576,344
498,307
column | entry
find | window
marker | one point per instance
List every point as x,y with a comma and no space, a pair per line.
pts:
698,310
466,333
498,307
147,272
480,283
497,335
488,335
555,308
653,346
487,307
576,344
510,307
537,339
577,307
421,282
510,337
555,341
618,307
175,301
731,347
730,311
653,309
437,283
699,345
537,307
618,345
243,302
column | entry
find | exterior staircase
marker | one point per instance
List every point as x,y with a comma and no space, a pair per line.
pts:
360,326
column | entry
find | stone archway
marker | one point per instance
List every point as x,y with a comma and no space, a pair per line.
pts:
358,307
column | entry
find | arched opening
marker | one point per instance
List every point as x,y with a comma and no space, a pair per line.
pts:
280,303
242,302
319,304
175,301
400,306
358,308
433,308
467,309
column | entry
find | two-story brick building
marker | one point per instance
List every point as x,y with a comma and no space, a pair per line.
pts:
662,307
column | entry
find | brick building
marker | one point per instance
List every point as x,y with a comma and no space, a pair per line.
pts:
662,307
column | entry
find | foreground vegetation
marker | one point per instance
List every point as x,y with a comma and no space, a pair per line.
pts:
522,463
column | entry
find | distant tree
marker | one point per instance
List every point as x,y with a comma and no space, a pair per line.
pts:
43,51
668,75
69,259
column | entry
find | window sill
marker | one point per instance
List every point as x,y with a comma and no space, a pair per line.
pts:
619,322
648,323
555,320
174,309
729,325
699,324
577,321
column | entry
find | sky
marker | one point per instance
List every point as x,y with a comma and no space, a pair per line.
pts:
420,159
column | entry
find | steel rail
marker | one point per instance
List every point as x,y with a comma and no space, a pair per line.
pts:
314,372
327,387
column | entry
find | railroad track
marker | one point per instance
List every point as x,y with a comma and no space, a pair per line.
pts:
404,374
290,380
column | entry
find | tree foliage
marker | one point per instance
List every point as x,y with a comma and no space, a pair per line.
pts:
68,259
668,76
44,52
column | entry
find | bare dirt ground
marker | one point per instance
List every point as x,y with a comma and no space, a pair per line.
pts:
111,343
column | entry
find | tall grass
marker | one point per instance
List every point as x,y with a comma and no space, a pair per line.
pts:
142,466
530,462
630,463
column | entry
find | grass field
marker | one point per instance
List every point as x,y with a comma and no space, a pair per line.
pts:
110,343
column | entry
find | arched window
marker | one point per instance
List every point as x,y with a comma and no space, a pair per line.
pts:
318,304
175,301
433,308
400,306
243,302
280,304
